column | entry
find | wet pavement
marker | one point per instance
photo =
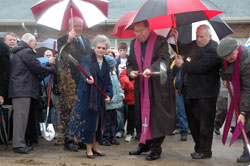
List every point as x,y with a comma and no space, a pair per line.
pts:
175,153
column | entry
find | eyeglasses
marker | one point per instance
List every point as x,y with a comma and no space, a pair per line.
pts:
139,31
103,48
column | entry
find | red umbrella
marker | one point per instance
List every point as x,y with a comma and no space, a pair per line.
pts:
56,13
119,29
174,13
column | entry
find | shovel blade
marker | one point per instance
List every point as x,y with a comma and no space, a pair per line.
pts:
47,131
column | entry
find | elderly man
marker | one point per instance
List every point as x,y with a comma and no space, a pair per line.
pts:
24,87
200,87
80,46
237,70
154,103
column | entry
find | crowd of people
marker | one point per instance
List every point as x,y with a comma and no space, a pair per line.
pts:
134,103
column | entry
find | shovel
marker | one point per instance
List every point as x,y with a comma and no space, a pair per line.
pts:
162,73
47,130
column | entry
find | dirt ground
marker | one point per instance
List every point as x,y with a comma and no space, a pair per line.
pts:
175,153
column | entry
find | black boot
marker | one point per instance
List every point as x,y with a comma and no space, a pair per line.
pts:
245,157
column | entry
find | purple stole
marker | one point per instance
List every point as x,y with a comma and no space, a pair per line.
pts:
146,133
237,96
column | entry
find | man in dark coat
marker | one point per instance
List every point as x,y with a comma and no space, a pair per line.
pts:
4,71
237,70
79,46
154,102
200,88
24,86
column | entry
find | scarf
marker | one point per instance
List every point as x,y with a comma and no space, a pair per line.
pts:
146,133
237,97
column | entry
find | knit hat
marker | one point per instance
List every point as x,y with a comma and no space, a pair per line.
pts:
226,47
111,61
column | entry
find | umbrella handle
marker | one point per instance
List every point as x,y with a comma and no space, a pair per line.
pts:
173,26
71,15
237,114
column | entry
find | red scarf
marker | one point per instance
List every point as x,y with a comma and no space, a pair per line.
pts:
237,96
146,133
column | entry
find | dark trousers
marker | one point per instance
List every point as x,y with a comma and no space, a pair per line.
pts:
31,135
109,131
221,108
200,115
131,119
153,145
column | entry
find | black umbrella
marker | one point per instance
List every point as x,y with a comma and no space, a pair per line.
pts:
219,26
4,125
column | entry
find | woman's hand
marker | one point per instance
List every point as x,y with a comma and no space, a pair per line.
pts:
241,119
107,99
91,80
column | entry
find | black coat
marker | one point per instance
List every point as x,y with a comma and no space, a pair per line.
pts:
202,72
162,98
24,72
77,52
4,68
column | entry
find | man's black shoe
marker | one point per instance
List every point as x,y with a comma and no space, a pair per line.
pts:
139,151
243,159
29,147
193,154
70,147
21,150
217,131
183,136
153,156
201,156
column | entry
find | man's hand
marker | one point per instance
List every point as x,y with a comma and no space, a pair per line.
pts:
72,35
52,60
174,33
91,80
147,73
107,99
178,61
241,119
133,74
1,100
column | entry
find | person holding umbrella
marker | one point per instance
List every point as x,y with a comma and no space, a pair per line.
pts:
154,102
82,47
237,70
200,86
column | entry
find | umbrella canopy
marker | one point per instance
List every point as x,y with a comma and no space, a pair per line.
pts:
120,28
57,13
47,44
174,13
220,29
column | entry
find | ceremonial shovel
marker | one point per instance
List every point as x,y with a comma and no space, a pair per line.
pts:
162,73
47,130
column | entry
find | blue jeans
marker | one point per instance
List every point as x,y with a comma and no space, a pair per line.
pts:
181,114
120,120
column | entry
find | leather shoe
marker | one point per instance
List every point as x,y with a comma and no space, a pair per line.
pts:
21,150
90,156
139,151
193,154
184,136
70,147
243,159
29,147
153,156
98,153
201,156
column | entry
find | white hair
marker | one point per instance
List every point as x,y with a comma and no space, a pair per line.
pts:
206,27
27,37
